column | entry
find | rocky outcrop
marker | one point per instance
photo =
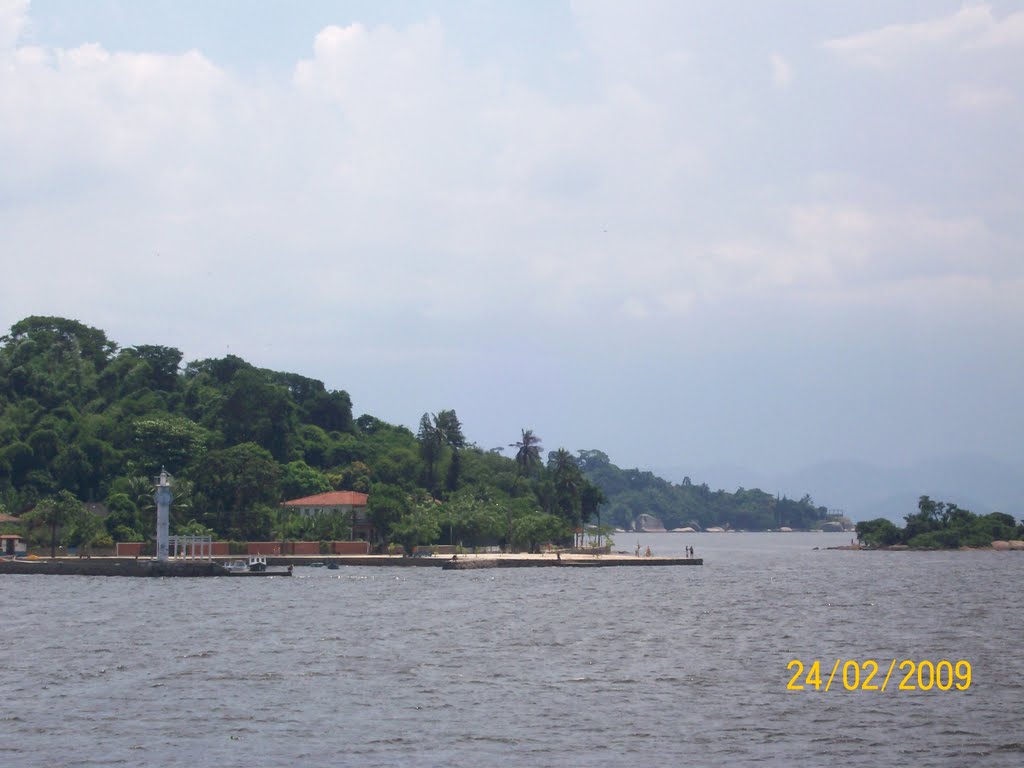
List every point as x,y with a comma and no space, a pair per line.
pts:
649,524
1005,546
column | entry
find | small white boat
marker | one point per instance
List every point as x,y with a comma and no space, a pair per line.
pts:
256,563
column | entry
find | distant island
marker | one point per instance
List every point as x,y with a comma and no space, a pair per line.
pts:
85,426
941,525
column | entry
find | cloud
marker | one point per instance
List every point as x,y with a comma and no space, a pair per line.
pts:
13,19
973,27
978,99
782,73
86,106
425,191
850,253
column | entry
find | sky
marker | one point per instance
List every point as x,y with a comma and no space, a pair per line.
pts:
684,233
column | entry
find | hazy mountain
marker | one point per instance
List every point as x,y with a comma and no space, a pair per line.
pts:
864,491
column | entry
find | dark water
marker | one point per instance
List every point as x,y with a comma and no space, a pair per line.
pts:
377,666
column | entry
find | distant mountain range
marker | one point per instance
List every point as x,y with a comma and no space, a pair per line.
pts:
864,491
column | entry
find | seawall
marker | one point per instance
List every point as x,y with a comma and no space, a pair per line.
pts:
110,566
126,566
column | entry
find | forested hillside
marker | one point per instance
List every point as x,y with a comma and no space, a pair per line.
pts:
83,420
631,491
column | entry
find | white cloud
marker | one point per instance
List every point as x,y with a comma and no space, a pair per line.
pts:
857,253
85,106
13,19
390,172
973,27
782,72
975,98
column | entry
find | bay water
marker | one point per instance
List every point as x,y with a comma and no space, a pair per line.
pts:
524,667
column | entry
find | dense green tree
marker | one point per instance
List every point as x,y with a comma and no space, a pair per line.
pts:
166,442
315,446
472,518
429,439
298,479
940,525
451,481
19,459
254,410
568,483
74,472
122,521
419,525
161,365
233,485
449,429
591,499
90,344
82,528
45,445
54,513
878,532
531,530
386,506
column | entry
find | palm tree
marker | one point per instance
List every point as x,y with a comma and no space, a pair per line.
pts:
449,430
430,448
567,480
528,451
56,513
591,500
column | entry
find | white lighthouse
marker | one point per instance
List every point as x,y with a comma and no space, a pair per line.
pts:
163,515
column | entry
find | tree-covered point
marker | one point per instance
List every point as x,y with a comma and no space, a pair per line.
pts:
84,420
630,492
940,525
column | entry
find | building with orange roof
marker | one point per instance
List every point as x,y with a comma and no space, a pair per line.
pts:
349,503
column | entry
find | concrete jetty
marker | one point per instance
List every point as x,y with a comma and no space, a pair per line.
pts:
470,563
128,566
111,566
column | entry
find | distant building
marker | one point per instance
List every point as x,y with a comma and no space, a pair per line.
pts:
348,503
12,545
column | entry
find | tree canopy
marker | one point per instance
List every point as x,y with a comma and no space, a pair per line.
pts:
940,525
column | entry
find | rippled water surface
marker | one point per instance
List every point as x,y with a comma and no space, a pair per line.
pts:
532,667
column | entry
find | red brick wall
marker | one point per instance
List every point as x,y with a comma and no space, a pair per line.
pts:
305,547
264,548
129,548
350,547
221,548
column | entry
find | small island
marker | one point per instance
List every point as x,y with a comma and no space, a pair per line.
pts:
942,525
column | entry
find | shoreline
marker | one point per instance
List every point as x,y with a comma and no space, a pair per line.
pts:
995,546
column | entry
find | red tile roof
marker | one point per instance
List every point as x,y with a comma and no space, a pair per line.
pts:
331,499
